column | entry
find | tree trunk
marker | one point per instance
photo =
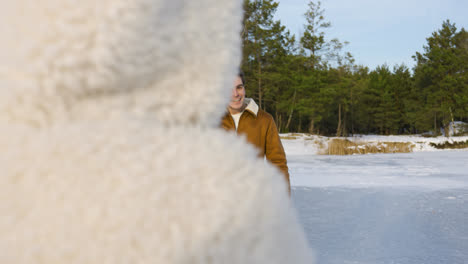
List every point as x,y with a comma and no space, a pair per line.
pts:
291,111
451,117
259,74
299,128
259,70
279,123
352,112
338,129
344,130
289,120
311,126
277,119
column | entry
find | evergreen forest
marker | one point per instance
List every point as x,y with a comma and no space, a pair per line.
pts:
311,85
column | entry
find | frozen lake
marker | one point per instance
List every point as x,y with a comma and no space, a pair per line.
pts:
383,208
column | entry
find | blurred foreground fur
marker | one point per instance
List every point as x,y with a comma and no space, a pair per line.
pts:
111,151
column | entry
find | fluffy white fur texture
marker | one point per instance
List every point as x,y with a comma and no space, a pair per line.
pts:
110,151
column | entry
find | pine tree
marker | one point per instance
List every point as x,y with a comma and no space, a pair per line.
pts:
265,42
313,38
441,74
405,99
314,94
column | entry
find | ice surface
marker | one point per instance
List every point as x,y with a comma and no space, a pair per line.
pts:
383,226
382,208
434,170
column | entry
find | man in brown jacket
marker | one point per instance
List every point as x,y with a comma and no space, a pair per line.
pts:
258,126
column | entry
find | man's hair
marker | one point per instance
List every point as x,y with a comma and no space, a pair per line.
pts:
241,75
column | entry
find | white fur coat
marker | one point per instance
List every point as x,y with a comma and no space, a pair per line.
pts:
109,146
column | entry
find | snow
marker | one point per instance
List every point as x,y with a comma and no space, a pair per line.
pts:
405,208
456,127
311,144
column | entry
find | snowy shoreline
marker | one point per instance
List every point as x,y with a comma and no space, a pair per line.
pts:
300,144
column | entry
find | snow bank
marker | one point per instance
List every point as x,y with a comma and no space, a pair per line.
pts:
300,144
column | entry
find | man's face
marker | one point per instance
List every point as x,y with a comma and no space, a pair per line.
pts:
236,104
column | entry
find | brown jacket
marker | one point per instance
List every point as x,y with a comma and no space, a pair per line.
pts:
260,130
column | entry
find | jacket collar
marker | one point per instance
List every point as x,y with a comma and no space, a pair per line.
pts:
252,107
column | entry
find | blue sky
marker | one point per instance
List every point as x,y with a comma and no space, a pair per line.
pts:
384,31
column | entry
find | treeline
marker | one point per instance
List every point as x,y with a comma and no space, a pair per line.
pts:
311,85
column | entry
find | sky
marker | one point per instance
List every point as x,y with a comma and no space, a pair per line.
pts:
379,32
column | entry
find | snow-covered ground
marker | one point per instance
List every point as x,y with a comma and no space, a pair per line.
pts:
312,144
382,208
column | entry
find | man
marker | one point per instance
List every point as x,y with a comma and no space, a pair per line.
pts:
246,118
